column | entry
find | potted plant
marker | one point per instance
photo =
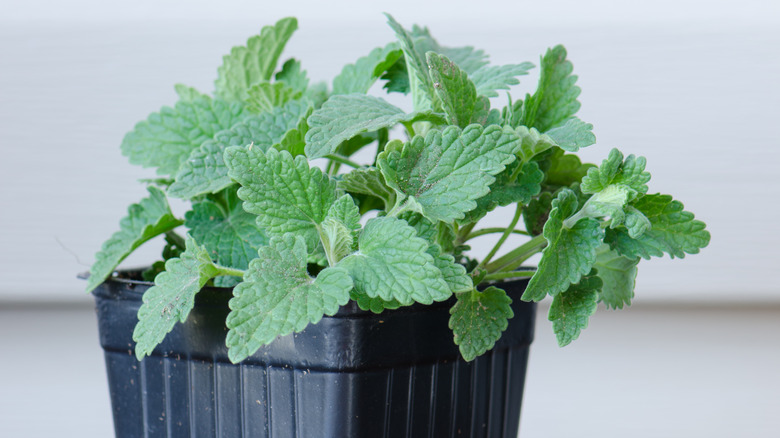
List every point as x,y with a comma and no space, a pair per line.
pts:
342,300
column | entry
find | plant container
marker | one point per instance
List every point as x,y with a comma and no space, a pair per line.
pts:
354,374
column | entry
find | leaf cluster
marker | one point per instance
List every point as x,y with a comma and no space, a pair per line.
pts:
296,239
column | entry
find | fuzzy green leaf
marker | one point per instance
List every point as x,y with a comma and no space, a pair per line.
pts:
618,274
555,100
446,171
509,188
265,96
339,230
570,310
570,252
345,116
491,78
278,297
187,94
478,319
292,75
293,140
565,169
145,220
167,138
419,80
360,76
373,304
672,230
454,274
457,93
368,181
468,58
231,237
392,263
284,193
615,171
533,143
172,296
205,170
573,135
255,62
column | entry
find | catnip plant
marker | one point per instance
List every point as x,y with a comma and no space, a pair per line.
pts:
295,241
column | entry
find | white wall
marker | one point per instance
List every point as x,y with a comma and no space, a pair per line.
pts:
691,85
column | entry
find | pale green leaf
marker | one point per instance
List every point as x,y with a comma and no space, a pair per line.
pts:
368,181
172,297
292,75
555,99
284,193
571,310
205,170
446,171
339,230
673,230
419,80
570,252
187,94
265,96
373,304
618,274
360,76
392,263
454,274
572,134
254,62
145,220
615,171
468,58
517,183
491,78
167,138
294,140
532,142
478,319
278,297
456,92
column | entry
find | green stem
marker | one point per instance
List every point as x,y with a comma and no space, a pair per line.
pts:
517,256
461,235
400,207
224,270
383,136
505,275
494,230
507,232
342,160
176,238
409,129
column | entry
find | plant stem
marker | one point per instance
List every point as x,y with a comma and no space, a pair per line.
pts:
509,274
485,231
383,135
409,129
176,238
517,256
224,270
507,232
400,207
342,160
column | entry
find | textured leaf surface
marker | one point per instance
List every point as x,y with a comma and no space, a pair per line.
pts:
368,181
265,96
573,134
565,169
555,99
167,138
420,81
293,75
454,274
340,228
255,62
231,237
618,274
187,94
392,263
360,76
570,252
344,116
172,296
457,93
205,170
478,319
491,78
284,193
373,304
445,172
614,170
145,220
571,310
278,297
672,230
511,186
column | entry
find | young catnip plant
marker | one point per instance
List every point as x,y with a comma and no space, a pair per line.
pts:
293,240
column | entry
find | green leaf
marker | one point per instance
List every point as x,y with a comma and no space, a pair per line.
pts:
491,78
446,171
230,236
255,62
555,100
187,94
570,310
456,92
615,171
536,213
145,220
284,193
618,274
294,140
478,319
368,181
292,75
373,304
570,252
339,230
278,297
419,81
172,296
392,263
397,78
532,142
360,76
454,274
167,138
468,58
205,170
265,96
565,169
345,116
517,183
573,134
673,230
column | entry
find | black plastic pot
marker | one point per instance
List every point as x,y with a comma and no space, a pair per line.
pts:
356,374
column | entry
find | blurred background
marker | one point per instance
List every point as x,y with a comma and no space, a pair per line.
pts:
690,84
